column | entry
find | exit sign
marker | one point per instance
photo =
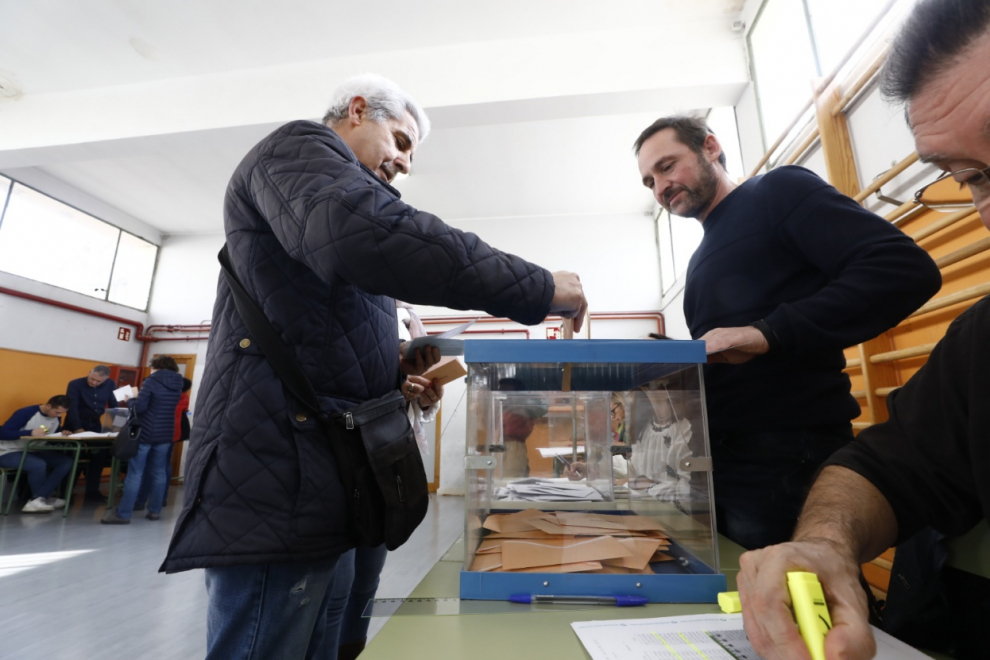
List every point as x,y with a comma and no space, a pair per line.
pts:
124,334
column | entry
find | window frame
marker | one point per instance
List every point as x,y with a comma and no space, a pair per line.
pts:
113,264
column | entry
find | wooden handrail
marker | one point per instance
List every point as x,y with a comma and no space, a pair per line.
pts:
884,178
884,391
859,426
860,83
943,223
977,291
801,148
824,85
903,209
858,394
970,250
914,351
853,363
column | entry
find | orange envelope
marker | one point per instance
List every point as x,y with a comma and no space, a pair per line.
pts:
578,567
531,553
525,534
489,546
513,522
447,369
578,519
486,563
641,550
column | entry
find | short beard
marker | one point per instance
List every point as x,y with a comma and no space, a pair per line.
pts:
699,198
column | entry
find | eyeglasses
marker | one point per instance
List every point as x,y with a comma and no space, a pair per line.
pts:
977,180
617,406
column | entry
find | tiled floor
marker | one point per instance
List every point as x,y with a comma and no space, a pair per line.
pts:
72,588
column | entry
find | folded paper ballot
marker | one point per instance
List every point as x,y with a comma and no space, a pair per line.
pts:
548,490
124,393
443,341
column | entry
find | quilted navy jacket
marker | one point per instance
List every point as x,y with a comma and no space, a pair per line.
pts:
324,246
155,406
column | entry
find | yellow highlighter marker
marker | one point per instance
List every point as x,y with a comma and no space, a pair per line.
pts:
729,602
810,611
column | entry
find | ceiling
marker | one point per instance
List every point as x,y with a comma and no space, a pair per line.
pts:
149,106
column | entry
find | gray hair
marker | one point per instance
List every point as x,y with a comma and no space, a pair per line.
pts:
386,100
101,369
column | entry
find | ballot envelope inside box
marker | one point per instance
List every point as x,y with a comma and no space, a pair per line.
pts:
588,471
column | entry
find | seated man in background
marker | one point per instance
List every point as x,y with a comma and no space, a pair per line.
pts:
88,398
928,464
46,469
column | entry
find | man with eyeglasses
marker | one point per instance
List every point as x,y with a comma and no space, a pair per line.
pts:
790,272
929,464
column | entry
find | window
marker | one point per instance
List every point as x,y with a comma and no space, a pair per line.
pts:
45,240
837,24
783,63
132,272
722,121
678,239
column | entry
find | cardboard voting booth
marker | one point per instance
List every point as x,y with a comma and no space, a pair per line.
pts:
588,471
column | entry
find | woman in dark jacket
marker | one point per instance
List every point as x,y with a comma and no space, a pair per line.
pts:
155,407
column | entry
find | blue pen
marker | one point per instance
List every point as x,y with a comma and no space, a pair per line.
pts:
618,601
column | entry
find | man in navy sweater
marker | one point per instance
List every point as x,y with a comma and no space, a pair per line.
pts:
789,273
46,469
88,398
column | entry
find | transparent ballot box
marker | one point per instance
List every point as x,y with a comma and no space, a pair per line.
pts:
588,471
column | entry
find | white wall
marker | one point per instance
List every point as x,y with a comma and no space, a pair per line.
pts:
615,255
183,294
36,327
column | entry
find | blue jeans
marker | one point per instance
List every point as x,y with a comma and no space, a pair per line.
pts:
147,479
36,466
762,478
355,584
267,612
154,455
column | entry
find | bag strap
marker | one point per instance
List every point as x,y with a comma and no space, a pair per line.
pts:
271,344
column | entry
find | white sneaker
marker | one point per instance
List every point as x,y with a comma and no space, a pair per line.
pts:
55,502
38,505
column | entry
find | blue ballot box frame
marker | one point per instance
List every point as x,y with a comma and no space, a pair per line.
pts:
591,366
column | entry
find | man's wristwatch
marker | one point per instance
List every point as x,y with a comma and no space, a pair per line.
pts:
773,341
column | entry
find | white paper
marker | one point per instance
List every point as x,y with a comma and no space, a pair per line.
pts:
453,332
446,346
546,490
442,341
123,393
90,434
549,452
686,638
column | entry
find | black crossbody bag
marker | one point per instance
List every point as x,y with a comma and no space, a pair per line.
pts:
125,445
373,444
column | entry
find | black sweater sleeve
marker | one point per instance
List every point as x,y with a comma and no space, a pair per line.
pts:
930,460
876,274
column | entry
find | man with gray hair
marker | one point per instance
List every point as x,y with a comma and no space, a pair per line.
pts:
928,464
324,245
88,398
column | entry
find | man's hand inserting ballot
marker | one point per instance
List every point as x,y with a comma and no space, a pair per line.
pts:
568,298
